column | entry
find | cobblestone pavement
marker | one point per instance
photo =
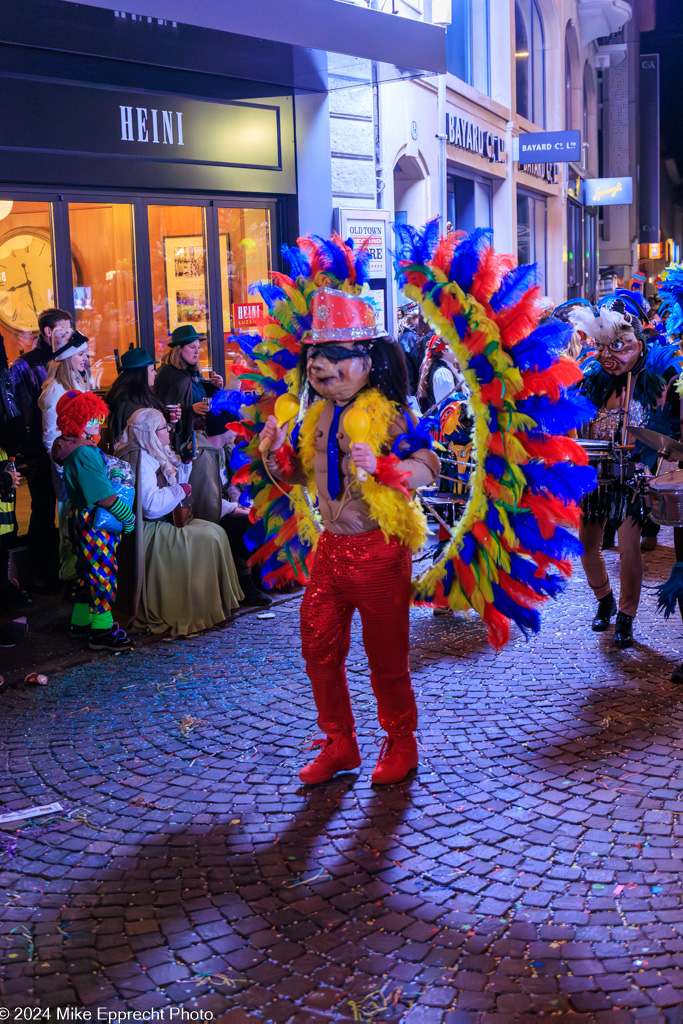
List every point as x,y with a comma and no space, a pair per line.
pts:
531,870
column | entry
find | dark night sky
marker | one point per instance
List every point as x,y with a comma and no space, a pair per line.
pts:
667,41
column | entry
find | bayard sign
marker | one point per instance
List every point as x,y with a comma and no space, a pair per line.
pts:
549,147
466,135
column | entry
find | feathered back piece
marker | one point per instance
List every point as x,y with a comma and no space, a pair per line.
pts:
284,533
511,550
670,289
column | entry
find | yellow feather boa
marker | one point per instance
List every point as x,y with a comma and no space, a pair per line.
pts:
397,516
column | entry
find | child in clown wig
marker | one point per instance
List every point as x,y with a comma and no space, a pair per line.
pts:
79,418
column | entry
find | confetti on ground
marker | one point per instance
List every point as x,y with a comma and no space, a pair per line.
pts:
188,724
30,812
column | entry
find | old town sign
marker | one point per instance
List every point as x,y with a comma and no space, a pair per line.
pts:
549,147
467,135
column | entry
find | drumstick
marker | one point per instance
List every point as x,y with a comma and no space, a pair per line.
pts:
624,426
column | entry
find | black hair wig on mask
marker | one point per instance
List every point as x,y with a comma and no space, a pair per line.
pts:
388,370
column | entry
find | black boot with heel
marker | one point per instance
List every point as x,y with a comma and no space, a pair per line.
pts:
607,607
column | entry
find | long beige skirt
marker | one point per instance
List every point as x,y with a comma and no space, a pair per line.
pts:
191,580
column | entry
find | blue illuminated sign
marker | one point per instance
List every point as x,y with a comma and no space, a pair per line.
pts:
609,191
549,147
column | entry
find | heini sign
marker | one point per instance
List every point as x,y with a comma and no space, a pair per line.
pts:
162,126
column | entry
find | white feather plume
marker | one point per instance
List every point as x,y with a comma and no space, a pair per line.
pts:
605,327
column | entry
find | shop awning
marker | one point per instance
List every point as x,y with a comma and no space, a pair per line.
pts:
411,47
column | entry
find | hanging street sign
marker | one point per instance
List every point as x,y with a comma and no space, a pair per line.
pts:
609,191
545,147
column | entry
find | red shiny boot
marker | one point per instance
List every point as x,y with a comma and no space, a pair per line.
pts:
339,753
397,758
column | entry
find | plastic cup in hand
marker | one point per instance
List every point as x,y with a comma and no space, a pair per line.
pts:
286,408
357,427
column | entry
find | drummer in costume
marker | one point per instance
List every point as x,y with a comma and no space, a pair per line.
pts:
628,382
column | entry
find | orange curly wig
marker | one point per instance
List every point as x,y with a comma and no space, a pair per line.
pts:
76,408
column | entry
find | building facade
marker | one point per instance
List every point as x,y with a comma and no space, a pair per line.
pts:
513,67
151,167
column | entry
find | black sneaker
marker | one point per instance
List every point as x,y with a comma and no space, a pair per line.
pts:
81,631
113,639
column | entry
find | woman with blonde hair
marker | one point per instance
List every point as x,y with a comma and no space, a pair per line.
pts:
190,580
67,371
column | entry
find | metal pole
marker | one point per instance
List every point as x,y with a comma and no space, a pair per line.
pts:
441,136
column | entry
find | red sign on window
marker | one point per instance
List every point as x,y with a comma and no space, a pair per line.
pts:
246,315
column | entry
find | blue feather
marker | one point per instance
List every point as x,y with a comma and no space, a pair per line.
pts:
564,480
239,457
671,592
514,285
270,293
247,342
561,545
417,245
416,438
332,258
467,257
231,401
540,349
299,264
572,410
528,619
523,570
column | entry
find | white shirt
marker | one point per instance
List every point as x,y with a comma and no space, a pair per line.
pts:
158,501
47,400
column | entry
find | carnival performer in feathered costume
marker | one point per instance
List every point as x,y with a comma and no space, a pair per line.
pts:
627,380
509,552
370,524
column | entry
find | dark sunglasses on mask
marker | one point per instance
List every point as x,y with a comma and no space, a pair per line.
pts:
336,353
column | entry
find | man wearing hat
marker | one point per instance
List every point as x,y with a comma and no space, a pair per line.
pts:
363,557
180,382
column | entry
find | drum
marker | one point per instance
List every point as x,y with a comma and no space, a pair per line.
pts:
666,495
609,462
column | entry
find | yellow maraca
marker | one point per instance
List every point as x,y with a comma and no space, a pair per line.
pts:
357,427
286,408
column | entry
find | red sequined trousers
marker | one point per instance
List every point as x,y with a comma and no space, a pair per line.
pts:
364,572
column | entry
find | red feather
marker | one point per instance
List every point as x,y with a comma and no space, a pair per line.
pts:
498,627
561,374
443,256
520,320
554,449
389,474
487,279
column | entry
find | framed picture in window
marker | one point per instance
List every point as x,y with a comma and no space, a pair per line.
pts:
185,260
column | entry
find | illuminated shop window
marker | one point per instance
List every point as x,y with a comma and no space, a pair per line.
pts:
177,251
103,271
27,283
244,242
